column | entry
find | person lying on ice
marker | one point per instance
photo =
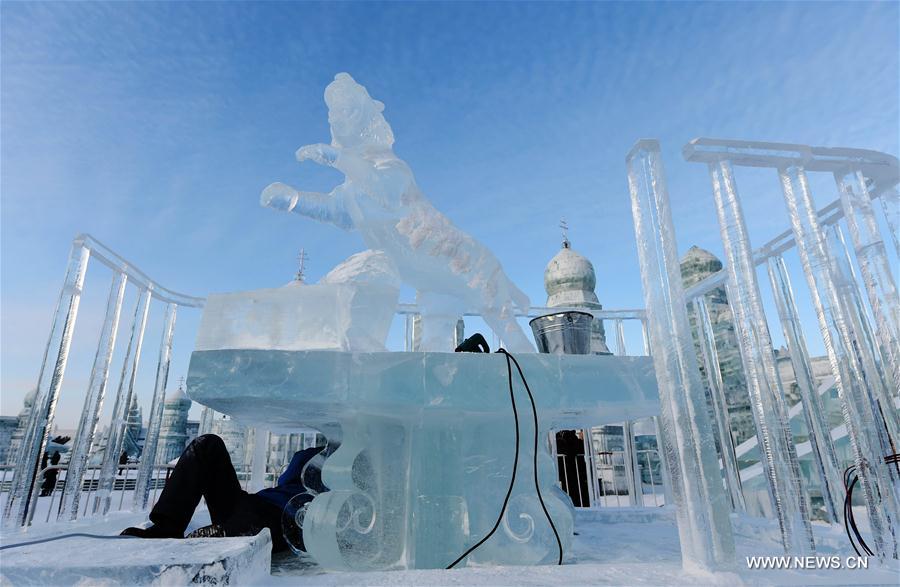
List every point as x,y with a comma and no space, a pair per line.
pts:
205,470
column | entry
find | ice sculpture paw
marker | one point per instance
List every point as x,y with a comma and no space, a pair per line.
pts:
318,153
279,196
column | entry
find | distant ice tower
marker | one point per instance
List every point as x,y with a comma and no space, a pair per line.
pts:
696,265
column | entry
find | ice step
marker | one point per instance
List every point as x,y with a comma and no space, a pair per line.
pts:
91,561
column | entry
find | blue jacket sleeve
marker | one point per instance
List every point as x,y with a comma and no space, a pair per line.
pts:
291,475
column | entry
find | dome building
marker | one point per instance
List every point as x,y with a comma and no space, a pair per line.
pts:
569,281
173,433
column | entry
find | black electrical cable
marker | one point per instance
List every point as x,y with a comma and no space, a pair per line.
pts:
512,481
73,535
850,480
537,486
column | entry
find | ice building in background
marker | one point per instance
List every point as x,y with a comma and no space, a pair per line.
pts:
8,425
15,441
235,437
173,435
821,372
696,265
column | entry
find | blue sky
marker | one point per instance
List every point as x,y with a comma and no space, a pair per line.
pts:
154,127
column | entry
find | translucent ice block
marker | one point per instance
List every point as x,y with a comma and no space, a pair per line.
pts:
428,444
343,316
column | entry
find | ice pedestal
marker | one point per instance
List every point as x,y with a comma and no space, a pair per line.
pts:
244,560
427,444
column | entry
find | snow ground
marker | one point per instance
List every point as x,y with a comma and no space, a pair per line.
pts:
621,546
614,546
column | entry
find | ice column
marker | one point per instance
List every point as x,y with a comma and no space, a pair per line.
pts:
206,418
260,459
620,338
24,491
852,298
854,373
710,355
890,206
663,462
632,468
116,439
871,254
661,451
645,336
819,434
702,509
148,457
93,400
777,451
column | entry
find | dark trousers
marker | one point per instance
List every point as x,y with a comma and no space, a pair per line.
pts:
205,470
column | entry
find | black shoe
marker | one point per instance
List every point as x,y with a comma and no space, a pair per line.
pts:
211,531
151,532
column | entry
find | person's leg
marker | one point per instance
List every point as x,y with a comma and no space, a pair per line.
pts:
203,470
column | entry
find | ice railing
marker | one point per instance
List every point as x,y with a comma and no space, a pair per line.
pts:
20,504
861,340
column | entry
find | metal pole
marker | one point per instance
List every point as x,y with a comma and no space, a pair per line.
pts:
124,393
148,456
26,483
93,401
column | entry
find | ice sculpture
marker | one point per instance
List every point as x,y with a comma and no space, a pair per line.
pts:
451,271
428,443
860,381
350,309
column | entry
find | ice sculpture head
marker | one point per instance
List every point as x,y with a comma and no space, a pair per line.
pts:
354,116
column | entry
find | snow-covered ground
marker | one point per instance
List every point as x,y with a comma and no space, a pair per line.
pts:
622,546
613,546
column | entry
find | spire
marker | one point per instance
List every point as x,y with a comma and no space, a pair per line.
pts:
179,395
302,258
565,232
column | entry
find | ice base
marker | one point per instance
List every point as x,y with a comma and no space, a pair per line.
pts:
427,444
90,561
